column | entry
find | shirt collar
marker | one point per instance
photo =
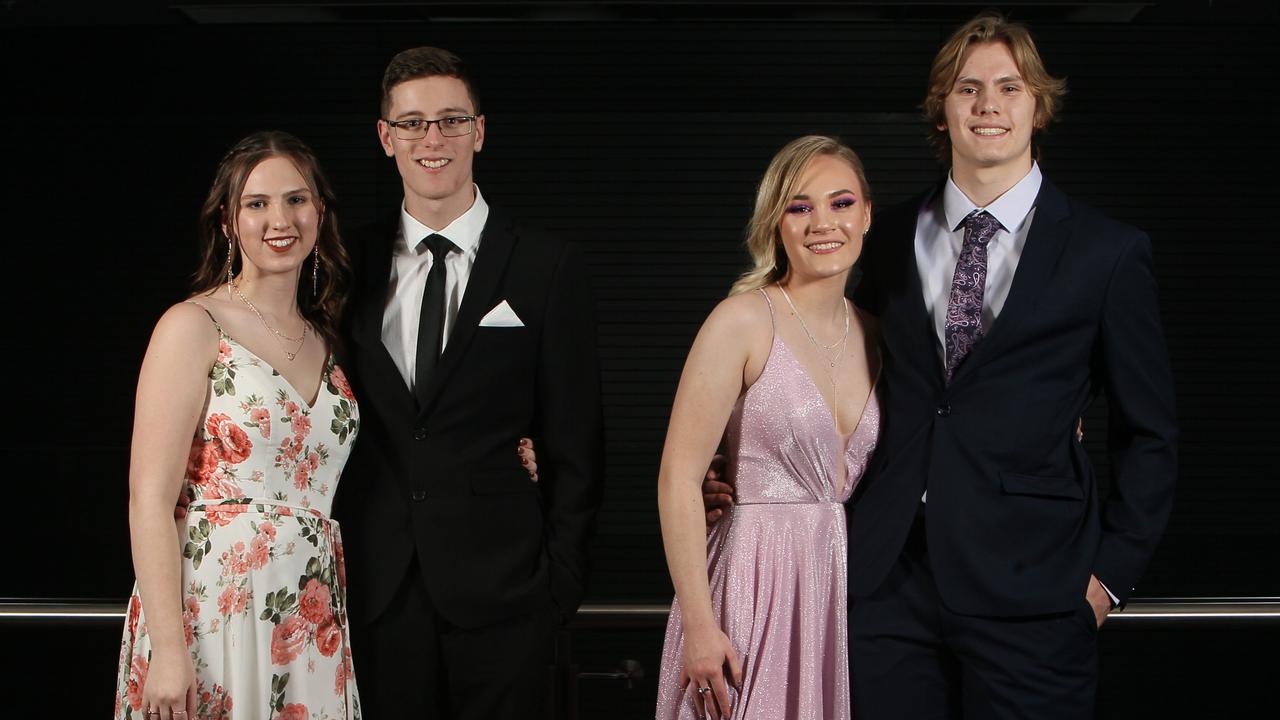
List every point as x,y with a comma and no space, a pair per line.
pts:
1010,209
464,231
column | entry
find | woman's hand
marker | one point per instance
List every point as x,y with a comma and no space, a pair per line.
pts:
706,655
528,458
169,692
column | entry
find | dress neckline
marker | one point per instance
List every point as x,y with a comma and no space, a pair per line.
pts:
324,371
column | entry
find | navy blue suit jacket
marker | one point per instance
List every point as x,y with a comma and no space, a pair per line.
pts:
1015,520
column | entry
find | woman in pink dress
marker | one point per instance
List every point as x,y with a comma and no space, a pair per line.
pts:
243,416
784,369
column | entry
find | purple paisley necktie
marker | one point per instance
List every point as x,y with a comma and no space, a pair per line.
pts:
963,327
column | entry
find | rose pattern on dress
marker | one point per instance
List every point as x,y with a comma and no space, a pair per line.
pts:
261,558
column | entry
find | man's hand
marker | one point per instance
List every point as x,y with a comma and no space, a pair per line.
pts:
717,495
1098,599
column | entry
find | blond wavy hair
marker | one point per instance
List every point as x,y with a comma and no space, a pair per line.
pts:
777,186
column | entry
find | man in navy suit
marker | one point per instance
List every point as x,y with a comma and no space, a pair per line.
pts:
982,555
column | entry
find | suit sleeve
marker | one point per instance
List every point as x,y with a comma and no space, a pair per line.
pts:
570,437
1134,367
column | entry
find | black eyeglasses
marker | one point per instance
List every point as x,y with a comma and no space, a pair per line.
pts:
416,128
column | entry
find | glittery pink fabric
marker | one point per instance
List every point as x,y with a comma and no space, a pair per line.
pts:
777,560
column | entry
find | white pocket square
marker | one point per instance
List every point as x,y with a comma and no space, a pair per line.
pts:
501,316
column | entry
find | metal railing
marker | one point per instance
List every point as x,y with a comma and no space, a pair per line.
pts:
1145,612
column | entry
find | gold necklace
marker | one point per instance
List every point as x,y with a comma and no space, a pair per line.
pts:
824,351
280,337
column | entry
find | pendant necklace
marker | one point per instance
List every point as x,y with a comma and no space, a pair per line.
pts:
281,338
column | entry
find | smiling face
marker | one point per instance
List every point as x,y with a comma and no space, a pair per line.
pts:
823,222
435,170
277,218
990,114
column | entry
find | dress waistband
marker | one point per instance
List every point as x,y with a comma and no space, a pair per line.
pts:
252,504
787,502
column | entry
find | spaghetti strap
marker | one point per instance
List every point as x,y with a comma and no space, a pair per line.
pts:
206,312
772,319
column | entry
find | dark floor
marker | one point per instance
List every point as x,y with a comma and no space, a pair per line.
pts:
1146,673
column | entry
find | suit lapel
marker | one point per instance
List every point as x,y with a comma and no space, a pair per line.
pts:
907,326
380,373
496,243
1046,240
366,324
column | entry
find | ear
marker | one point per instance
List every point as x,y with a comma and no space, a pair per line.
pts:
385,139
479,133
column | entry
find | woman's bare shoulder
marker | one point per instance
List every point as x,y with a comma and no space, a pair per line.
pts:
744,314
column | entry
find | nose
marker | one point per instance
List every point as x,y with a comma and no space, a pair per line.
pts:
823,220
988,104
278,216
434,136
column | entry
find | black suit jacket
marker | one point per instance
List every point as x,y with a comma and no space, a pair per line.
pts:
443,481
1014,520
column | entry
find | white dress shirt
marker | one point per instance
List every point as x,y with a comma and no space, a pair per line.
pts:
410,263
940,235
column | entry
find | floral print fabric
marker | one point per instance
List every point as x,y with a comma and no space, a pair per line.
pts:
264,590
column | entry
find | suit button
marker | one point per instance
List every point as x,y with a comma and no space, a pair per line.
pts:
418,495
944,410
420,433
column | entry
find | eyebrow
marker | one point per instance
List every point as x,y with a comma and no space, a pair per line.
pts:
255,196
999,80
444,112
833,193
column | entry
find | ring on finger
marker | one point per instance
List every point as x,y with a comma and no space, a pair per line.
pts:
703,690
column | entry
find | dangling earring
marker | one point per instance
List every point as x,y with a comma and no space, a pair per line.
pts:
230,254
315,269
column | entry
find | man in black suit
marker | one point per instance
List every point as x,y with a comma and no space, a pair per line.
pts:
982,556
466,334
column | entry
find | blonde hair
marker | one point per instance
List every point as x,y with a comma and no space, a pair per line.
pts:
777,186
987,28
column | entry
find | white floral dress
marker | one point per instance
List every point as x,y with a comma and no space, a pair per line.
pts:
263,585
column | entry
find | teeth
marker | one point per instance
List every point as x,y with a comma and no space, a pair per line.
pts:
286,242
825,246
990,131
434,164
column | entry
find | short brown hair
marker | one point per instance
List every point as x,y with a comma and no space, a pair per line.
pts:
424,62
986,28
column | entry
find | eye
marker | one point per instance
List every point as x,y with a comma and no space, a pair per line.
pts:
967,91
1012,88
298,200
255,204
453,121
843,203
412,124
799,209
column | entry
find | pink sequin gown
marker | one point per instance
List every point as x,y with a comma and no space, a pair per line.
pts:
777,560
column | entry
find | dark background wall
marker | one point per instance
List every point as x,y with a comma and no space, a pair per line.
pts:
639,131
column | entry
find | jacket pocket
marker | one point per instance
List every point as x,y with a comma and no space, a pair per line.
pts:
503,482
1054,487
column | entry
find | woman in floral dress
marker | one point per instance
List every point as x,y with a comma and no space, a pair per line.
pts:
239,610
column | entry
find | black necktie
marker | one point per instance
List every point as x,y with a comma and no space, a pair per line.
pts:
431,322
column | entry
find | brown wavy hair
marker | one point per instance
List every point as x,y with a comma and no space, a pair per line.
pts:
987,28
323,310
777,186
